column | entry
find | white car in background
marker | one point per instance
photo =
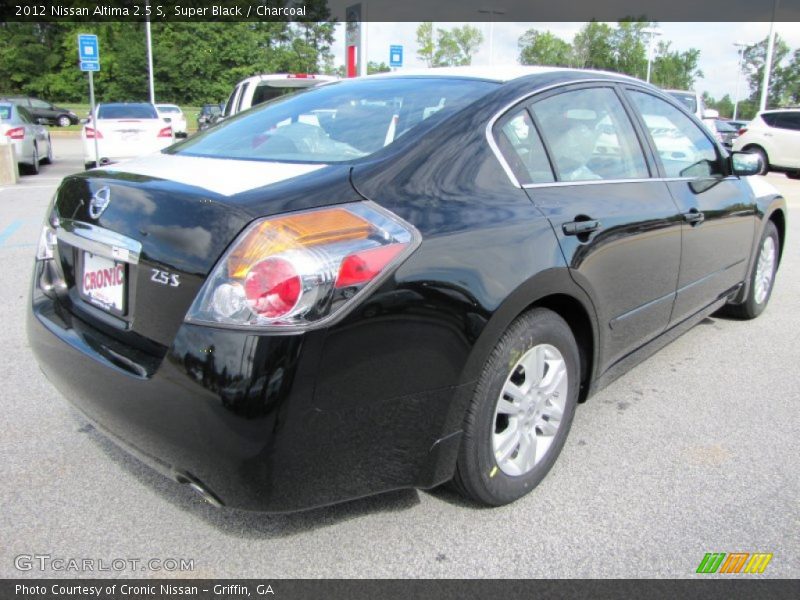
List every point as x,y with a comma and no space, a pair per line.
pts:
30,138
172,114
261,88
123,131
775,136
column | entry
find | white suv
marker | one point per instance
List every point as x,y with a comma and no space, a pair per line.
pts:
775,135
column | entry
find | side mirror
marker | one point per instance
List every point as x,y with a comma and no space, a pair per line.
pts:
745,163
710,113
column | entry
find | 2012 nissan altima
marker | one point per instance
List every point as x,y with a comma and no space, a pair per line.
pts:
393,282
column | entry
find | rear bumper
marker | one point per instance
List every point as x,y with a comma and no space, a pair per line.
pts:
236,413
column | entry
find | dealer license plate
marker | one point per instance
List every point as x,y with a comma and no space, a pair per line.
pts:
103,282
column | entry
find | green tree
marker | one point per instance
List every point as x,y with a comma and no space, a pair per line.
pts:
630,49
455,47
593,48
779,80
723,105
544,48
373,67
425,46
675,70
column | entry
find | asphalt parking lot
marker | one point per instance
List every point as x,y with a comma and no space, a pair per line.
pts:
694,451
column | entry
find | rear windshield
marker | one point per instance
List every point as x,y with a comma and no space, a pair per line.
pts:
688,100
724,127
169,109
265,92
338,122
5,111
126,111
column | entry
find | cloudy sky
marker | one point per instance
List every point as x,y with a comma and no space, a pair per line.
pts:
718,56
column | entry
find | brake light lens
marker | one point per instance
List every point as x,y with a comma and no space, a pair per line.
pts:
742,130
18,133
165,132
302,270
92,133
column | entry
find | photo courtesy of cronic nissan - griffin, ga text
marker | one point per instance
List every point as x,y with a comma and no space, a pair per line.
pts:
397,281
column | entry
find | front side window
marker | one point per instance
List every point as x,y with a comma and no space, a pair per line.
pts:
338,122
683,147
590,136
522,148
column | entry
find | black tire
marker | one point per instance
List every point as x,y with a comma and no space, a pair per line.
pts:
48,160
33,167
63,121
793,174
764,158
89,165
477,475
751,307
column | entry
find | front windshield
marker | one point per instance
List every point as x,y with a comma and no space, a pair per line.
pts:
337,122
168,109
688,100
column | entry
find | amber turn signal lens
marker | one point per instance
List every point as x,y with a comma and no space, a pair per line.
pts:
294,232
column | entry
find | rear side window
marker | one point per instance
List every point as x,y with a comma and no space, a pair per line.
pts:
339,122
522,148
590,136
126,111
229,103
783,120
683,147
5,112
265,92
770,119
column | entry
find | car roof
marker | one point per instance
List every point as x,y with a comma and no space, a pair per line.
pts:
499,73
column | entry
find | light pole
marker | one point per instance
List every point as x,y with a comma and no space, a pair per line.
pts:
652,32
741,47
149,56
768,62
491,12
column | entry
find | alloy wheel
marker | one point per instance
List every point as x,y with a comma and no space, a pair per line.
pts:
529,410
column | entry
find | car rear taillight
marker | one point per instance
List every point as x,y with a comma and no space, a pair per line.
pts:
165,132
303,269
742,130
18,133
91,133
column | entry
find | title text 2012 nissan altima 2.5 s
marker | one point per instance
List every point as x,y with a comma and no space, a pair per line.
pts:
394,281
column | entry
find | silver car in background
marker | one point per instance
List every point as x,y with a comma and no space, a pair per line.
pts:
31,140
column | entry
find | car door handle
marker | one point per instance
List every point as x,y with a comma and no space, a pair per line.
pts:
694,216
580,227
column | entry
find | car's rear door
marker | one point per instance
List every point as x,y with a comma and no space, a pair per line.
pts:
786,140
618,228
718,210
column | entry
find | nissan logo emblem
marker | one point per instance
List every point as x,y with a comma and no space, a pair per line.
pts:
99,202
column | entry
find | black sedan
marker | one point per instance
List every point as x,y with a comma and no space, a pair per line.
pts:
393,282
41,109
